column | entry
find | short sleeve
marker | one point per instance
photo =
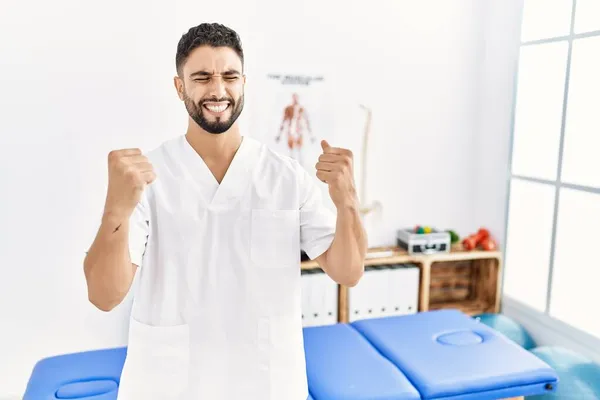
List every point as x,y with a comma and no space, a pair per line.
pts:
139,227
317,221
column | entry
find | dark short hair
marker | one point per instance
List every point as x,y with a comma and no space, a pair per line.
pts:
211,34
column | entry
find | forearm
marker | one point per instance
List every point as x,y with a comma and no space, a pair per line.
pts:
345,258
107,266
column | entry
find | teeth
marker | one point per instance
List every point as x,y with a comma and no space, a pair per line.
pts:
216,109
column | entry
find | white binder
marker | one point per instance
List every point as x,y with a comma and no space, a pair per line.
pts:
379,292
369,297
319,298
329,302
403,289
356,303
385,290
306,295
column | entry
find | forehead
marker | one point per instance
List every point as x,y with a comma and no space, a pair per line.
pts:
213,60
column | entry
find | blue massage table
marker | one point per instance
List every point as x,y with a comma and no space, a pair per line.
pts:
90,375
441,355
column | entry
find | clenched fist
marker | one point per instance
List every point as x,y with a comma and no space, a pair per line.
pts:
336,169
129,171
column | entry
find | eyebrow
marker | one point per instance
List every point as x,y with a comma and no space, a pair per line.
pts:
206,73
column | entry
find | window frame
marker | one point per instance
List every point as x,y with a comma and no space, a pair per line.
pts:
557,183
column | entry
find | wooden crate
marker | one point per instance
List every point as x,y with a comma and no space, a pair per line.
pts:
469,285
450,281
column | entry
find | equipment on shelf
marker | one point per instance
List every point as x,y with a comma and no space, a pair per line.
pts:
423,240
481,239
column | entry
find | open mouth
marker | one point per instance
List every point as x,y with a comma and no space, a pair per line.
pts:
216,107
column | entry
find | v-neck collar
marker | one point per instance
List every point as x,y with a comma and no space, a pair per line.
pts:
236,179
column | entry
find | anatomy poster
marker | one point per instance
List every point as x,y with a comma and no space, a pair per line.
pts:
294,115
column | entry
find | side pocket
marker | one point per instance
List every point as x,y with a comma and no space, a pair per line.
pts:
275,240
157,362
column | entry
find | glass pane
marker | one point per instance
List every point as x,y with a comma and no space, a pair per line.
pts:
544,19
529,232
587,16
581,164
538,112
576,272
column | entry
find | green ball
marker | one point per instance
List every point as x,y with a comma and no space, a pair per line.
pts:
420,230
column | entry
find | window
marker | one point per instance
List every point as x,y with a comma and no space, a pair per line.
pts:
554,192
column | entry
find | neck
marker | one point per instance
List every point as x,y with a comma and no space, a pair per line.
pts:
214,147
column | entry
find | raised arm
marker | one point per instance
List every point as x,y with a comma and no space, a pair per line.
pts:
335,240
344,260
108,266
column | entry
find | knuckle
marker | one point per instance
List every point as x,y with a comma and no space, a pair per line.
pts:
130,171
113,156
121,165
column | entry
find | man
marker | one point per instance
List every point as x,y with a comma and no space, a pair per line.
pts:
213,224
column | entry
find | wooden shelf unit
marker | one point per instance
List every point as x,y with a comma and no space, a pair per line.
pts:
461,279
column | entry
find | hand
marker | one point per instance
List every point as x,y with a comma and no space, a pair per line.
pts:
336,169
128,174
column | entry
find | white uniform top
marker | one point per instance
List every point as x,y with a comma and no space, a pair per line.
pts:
217,307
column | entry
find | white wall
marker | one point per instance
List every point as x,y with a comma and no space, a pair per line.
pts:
500,41
81,78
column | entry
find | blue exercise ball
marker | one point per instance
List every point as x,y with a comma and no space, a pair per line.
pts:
508,327
578,376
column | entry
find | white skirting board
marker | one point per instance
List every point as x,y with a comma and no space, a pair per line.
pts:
548,331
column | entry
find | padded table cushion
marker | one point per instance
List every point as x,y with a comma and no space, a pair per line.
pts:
86,375
341,364
447,354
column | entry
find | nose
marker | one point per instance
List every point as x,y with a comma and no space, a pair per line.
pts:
217,87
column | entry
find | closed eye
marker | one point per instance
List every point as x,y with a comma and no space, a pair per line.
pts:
226,78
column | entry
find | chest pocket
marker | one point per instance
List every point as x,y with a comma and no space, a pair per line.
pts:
275,238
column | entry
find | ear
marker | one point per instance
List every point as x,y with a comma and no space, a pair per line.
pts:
178,86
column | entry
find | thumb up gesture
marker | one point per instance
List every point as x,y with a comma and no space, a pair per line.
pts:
336,168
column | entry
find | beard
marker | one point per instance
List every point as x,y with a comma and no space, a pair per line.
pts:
219,125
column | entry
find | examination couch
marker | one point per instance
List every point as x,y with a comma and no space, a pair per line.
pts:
441,354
